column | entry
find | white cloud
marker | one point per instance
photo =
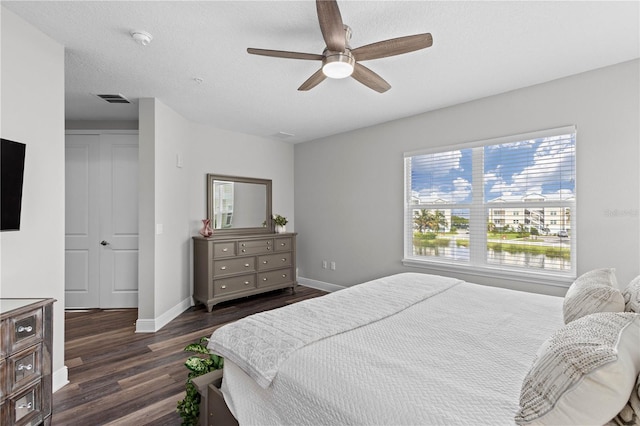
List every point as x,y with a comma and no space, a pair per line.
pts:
553,161
438,164
460,192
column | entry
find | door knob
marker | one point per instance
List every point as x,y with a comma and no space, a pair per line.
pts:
104,243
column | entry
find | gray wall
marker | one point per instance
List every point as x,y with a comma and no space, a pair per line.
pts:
349,187
175,198
32,259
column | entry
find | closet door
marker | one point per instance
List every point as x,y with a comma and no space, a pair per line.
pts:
101,221
82,220
119,221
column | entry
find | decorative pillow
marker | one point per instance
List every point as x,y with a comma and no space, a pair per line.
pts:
630,414
594,291
631,296
584,373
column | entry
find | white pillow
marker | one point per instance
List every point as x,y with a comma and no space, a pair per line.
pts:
631,296
630,414
584,373
594,291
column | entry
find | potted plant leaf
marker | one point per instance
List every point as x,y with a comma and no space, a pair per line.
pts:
201,363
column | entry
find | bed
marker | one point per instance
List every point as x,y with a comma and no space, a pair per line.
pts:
400,350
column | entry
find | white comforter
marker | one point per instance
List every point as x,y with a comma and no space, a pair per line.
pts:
455,356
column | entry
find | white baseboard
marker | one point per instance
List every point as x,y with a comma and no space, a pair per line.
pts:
319,285
153,325
59,378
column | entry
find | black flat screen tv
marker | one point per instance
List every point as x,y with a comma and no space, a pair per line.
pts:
11,178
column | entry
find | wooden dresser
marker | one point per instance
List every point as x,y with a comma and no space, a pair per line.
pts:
229,267
25,361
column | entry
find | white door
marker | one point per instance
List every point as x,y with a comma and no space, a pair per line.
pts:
101,221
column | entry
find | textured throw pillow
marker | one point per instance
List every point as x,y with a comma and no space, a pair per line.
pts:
584,373
631,296
630,414
594,291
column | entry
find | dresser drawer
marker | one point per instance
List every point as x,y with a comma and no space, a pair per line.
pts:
4,337
271,278
283,244
233,266
3,373
246,247
25,408
234,285
272,261
227,249
24,367
25,330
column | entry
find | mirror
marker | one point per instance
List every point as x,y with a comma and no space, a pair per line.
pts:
239,204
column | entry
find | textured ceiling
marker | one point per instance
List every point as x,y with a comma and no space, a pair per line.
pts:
480,48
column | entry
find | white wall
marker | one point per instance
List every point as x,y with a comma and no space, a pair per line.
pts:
32,85
163,267
228,153
175,198
349,187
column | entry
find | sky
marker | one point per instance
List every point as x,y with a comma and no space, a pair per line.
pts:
544,166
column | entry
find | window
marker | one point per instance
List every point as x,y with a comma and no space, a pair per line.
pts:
487,206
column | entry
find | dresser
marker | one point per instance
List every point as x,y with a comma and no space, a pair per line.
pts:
230,267
25,361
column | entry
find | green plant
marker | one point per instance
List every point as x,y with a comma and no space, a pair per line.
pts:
203,362
280,220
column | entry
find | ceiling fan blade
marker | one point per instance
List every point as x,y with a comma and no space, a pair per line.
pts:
392,47
285,54
369,78
317,78
331,24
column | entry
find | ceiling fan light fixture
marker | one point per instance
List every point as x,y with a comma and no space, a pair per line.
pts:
338,65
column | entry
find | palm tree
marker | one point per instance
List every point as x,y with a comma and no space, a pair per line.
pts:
421,220
437,220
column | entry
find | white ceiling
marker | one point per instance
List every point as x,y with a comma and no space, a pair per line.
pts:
480,48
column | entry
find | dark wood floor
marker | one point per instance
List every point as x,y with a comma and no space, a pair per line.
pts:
118,377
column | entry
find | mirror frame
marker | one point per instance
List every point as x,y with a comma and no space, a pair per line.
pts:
269,229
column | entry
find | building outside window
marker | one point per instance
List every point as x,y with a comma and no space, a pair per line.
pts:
494,205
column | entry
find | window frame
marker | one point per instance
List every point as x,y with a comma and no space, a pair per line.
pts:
477,264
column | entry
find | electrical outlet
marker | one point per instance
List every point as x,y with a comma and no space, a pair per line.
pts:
324,264
333,265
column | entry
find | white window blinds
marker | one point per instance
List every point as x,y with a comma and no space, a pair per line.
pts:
506,203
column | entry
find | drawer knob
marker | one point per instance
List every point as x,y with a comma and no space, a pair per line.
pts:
284,275
246,265
223,268
264,279
268,243
225,249
28,405
284,259
247,283
24,367
283,244
243,245
265,262
27,329
244,251
268,248
223,286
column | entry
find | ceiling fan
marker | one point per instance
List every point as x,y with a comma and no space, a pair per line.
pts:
339,60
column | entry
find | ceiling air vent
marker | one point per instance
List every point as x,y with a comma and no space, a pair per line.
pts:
114,99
